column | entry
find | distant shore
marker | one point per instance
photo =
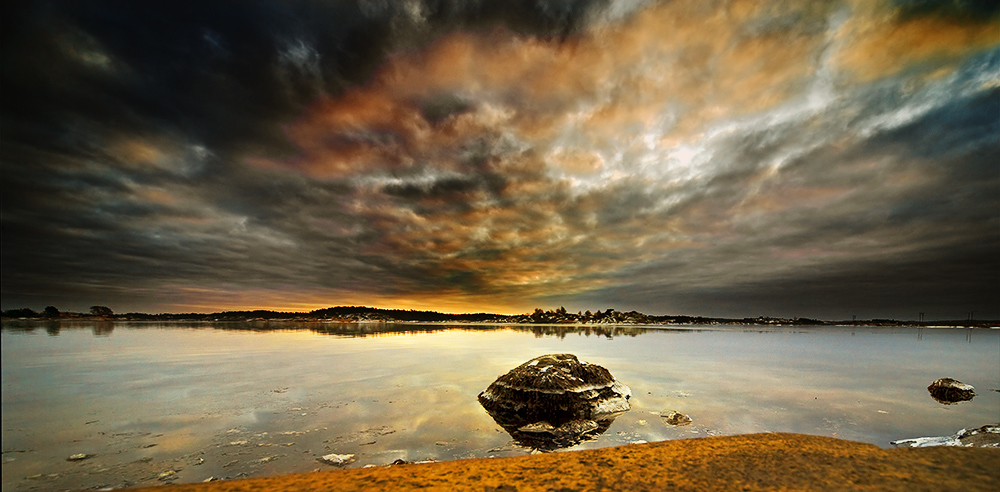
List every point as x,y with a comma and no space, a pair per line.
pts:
773,461
989,324
279,323
363,314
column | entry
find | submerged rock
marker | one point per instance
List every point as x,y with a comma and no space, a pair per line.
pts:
555,401
947,391
337,459
676,418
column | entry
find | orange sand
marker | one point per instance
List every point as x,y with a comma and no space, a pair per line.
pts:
747,462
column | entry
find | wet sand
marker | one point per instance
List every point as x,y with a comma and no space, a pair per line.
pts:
745,462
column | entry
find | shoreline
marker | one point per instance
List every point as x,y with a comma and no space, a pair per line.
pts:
770,461
984,325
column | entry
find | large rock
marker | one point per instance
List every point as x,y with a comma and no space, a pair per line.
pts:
947,391
555,401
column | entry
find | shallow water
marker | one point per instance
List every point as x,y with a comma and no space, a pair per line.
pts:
232,400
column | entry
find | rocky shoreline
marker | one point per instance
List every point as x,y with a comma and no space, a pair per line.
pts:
772,461
987,436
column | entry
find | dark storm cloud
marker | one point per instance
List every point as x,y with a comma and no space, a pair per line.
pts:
960,9
920,234
668,156
107,104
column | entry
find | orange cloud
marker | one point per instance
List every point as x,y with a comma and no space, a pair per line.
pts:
680,60
358,131
576,161
879,43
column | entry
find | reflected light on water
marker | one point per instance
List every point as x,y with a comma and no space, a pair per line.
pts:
144,398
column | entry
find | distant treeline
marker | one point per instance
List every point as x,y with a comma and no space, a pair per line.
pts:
340,312
366,313
53,312
539,316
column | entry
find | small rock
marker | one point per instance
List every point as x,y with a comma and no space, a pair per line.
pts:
337,459
238,443
79,457
987,436
948,391
676,418
166,475
210,479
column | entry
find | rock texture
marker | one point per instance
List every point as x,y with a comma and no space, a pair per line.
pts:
555,401
676,418
987,436
337,459
947,391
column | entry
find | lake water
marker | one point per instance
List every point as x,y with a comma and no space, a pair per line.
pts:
174,402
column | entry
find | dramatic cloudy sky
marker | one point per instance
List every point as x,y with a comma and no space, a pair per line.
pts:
728,158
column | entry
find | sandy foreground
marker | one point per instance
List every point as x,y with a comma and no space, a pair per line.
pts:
773,461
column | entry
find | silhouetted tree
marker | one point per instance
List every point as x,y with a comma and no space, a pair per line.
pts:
20,313
51,312
102,311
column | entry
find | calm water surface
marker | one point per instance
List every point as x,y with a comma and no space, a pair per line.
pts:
231,400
